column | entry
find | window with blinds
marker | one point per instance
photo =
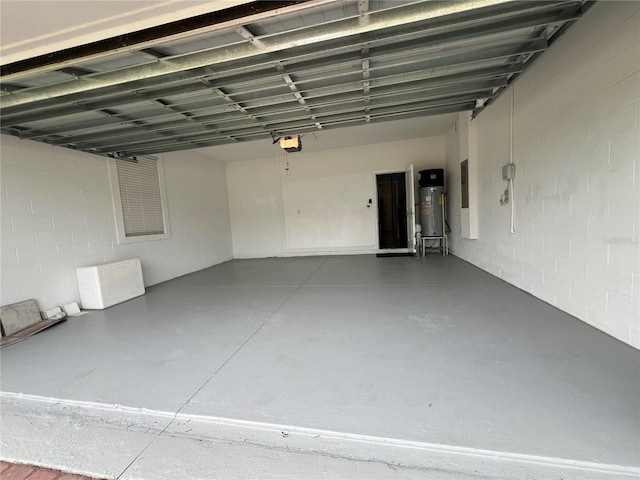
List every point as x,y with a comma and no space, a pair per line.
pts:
141,197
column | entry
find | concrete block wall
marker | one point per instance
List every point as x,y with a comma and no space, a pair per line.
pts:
329,190
577,151
57,214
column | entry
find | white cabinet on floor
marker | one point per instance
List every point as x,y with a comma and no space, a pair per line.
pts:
102,286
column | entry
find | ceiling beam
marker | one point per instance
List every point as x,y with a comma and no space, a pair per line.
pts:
244,32
296,93
379,20
414,67
299,128
562,29
236,106
459,32
387,106
444,58
151,53
363,8
455,83
8,88
149,37
74,71
391,95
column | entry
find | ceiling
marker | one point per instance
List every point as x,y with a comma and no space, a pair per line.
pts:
262,70
60,24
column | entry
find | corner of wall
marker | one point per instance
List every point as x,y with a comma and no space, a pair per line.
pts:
46,233
577,200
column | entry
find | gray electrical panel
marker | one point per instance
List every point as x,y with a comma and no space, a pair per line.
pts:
509,171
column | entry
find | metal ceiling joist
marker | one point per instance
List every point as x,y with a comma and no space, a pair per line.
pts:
409,103
143,40
460,33
363,8
479,53
561,31
294,89
438,97
74,72
452,83
424,69
151,53
289,76
300,128
238,133
7,88
437,12
244,32
414,44
419,89
297,130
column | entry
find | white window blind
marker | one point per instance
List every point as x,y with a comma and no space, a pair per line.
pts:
140,196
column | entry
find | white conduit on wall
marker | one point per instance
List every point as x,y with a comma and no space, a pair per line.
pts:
511,186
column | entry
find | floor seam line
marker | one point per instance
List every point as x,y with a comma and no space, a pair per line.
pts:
247,340
267,320
146,447
311,275
194,394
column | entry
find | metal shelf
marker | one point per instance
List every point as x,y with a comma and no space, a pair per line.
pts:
443,241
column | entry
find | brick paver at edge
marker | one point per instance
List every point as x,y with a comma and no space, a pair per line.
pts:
14,471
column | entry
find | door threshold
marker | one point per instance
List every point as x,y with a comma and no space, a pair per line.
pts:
394,252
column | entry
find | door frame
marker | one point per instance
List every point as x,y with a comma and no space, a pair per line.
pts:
377,217
410,193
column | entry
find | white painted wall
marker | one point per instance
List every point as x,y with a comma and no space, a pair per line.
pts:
57,214
467,151
576,150
321,206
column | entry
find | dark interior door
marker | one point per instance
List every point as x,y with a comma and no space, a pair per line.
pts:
392,210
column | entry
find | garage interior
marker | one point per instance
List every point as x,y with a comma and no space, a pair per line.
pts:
273,340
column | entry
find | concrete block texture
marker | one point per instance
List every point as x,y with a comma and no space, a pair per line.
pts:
576,145
57,214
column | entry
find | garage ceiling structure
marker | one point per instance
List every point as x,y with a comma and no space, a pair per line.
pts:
265,69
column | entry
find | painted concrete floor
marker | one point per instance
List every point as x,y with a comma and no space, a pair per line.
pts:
350,366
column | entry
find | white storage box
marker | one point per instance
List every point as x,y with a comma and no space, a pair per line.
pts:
104,285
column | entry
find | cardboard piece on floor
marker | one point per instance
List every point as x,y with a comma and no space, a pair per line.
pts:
73,310
21,320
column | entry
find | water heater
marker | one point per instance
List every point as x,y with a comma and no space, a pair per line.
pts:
431,190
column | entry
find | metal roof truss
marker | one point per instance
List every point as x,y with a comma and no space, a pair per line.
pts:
289,71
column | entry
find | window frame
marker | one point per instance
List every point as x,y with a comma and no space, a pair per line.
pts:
117,206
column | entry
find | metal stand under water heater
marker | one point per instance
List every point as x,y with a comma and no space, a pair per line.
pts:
432,208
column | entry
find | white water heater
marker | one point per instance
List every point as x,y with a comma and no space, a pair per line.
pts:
431,193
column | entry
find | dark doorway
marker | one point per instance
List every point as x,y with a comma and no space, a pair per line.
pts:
392,210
